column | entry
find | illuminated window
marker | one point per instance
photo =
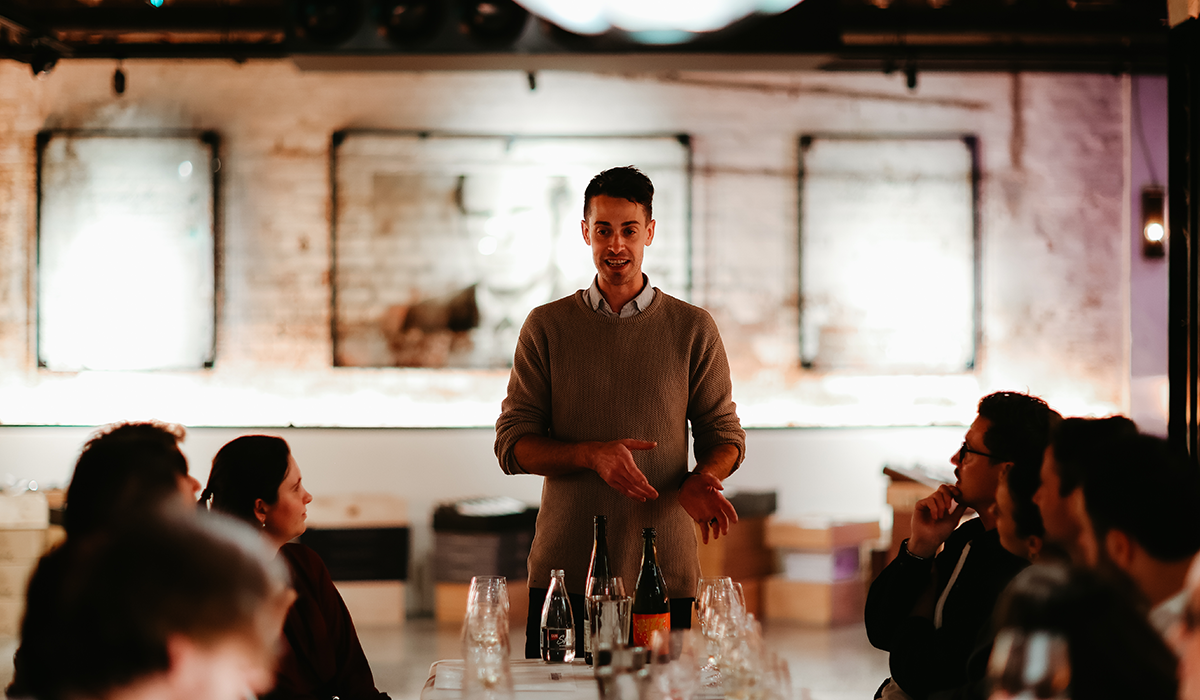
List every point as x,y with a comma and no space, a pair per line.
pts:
444,243
126,250
888,254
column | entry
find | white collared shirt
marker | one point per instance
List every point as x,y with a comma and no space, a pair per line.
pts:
632,308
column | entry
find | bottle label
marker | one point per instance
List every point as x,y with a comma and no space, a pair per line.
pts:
645,625
587,635
557,645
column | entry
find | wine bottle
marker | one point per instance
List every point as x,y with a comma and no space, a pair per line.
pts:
651,606
599,572
558,625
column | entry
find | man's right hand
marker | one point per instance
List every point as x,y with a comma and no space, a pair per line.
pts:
934,519
613,461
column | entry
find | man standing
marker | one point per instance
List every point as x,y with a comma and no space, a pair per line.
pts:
604,385
928,609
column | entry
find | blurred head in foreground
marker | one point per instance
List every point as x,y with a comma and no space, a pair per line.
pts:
1112,650
127,469
168,608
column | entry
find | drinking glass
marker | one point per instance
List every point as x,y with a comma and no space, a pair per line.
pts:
610,615
1029,664
674,664
487,674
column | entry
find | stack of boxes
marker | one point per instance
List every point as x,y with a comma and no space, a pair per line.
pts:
364,541
481,537
823,581
742,554
24,537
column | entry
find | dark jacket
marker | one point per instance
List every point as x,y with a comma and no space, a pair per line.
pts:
925,659
322,656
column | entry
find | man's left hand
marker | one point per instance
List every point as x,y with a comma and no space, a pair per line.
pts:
700,495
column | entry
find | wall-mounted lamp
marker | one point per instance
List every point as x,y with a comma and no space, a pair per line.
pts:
1154,231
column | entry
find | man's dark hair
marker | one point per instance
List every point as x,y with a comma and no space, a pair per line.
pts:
1080,442
246,469
1020,428
1143,487
130,468
125,592
621,183
1023,481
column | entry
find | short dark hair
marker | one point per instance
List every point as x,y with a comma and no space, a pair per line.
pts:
1079,442
1145,488
622,183
125,592
123,470
1113,650
1023,481
1020,427
246,469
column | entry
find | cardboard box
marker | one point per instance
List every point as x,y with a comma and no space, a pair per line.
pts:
450,602
787,534
740,555
373,603
812,603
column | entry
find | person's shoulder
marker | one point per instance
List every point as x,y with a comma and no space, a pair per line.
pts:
678,308
301,557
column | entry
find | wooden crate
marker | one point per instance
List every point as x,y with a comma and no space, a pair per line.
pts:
815,604
742,554
786,534
450,602
373,603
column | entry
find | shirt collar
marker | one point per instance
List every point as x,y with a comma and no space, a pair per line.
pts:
632,308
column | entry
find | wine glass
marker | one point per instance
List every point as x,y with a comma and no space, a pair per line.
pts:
674,664
1029,664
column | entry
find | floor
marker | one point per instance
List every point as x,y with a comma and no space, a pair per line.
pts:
835,664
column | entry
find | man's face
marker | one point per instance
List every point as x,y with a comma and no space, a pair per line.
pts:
1062,527
618,232
977,475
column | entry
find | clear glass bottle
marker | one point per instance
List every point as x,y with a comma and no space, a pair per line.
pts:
558,623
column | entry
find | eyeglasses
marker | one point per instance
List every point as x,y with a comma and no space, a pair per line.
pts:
966,450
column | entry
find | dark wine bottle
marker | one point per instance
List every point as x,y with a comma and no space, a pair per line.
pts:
651,606
599,579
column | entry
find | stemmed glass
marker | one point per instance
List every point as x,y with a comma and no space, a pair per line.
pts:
1029,664
487,674
674,664
720,612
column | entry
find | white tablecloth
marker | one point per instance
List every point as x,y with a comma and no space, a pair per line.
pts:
532,678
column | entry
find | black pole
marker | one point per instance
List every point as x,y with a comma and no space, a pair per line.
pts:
1184,262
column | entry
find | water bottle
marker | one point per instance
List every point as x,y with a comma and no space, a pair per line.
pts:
558,624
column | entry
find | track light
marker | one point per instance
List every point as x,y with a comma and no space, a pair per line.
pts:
43,60
1154,232
119,80
327,22
409,21
494,22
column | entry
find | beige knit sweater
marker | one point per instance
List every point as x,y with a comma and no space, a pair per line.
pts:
580,376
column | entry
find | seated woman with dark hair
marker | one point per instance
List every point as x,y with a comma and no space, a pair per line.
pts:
125,471
255,478
168,608
1018,520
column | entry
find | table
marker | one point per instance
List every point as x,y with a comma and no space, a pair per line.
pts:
573,681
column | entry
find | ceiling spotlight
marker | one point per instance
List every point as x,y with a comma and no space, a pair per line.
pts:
43,60
494,22
409,21
327,22
651,18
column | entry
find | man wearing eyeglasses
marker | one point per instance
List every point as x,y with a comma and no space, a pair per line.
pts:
930,608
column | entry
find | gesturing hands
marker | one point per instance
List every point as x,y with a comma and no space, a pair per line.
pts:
700,495
934,518
613,461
